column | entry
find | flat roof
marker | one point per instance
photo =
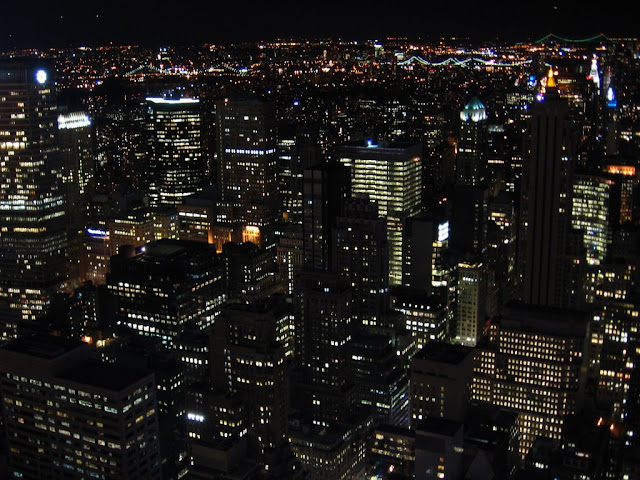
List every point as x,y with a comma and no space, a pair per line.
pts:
444,352
439,426
43,346
545,320
109,377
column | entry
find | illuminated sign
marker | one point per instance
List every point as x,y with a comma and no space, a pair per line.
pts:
443,231
73,120
41,76
179,101
94,232
611,98
628,170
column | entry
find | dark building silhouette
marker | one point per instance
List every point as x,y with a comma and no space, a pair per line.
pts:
166,287
472,145
52,392
362,258
545,209
326,187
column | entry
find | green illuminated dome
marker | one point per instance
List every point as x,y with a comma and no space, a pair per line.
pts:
473,111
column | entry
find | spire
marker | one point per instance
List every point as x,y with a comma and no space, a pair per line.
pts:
594,76
551,82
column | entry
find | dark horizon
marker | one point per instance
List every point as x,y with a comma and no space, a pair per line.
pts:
42,25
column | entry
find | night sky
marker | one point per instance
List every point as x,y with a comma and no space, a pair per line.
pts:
42,24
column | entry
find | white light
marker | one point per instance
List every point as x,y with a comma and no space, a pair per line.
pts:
73,120
172,100
443,231
41,76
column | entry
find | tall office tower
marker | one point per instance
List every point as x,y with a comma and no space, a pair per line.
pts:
427,267
174,139
471,302
381,381
68,418
440,380
391,175
502,231
419,236
324,330
469,220
616,338
167,286
76,144
545,210
472,145
247,166
534,363
362,259
612,127
298,149
290,255
32,237
590,214
326,187
251,364
623,191
250,272
121,140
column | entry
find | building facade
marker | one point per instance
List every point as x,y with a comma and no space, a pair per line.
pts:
32,199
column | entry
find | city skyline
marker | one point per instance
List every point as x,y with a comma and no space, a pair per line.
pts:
319,259
45,24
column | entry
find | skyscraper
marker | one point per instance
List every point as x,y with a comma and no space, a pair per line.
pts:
79,168
471,302
32,203
175,147
324,329
247,168
362,259
545,212
390,174
590,213
326,188
470,160
79,181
